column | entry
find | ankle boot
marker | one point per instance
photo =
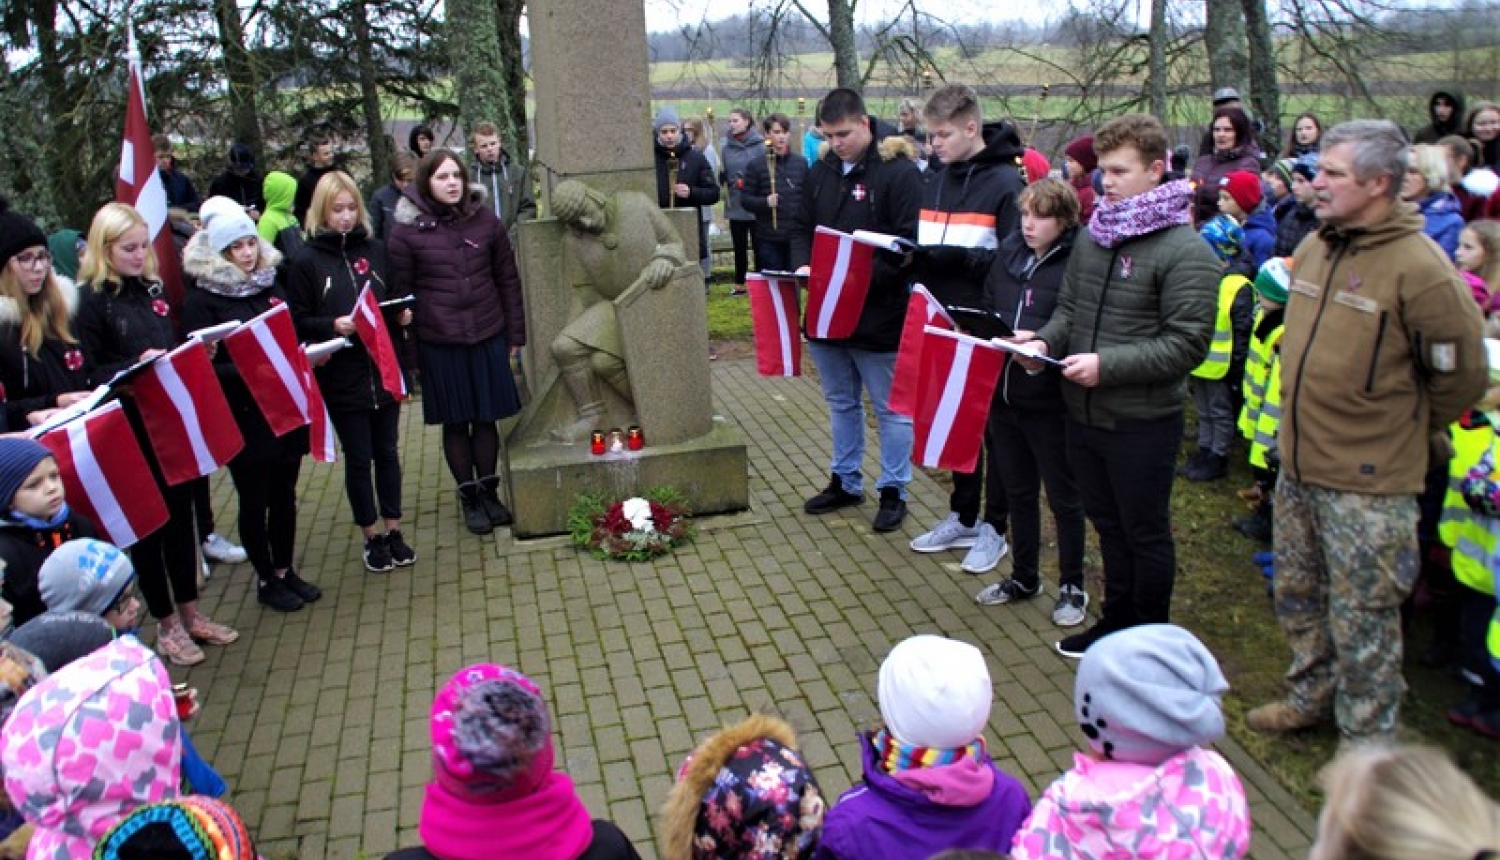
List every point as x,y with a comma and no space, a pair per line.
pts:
489,498
470,499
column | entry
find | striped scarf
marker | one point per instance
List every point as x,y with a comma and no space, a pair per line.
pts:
895,756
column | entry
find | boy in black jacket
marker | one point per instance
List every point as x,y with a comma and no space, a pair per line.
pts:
968,202
854,188
36,520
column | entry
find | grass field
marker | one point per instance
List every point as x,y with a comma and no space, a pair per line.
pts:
1222,598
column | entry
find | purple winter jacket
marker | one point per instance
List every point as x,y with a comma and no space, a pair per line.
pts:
888,818
461,269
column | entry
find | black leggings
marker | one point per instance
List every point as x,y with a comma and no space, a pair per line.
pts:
166,561
268,511
472,449
371,437
203,506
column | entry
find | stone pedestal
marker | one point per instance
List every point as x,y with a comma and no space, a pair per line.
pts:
547,479
593,94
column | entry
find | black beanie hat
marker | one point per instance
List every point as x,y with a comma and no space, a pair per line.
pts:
17,233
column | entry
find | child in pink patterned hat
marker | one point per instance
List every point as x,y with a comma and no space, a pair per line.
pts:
1147,698
494,792
89,745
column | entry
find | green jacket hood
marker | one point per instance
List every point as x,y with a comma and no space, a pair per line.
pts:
280,189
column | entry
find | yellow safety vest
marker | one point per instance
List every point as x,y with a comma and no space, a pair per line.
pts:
1221,348
1261,414
1469,535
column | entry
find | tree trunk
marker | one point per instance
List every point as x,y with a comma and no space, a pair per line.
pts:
1265,92
474,52
240,72
1224,37
513,128
70,192
1156,77
369,90
845,49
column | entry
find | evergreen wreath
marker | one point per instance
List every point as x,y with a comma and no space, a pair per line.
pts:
635,529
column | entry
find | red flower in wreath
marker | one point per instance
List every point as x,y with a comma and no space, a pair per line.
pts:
362,266
160,308
73,359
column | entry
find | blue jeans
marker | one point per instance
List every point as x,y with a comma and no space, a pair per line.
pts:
842,370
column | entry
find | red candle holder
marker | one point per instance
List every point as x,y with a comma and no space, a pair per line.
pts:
186,700
635,440
596,443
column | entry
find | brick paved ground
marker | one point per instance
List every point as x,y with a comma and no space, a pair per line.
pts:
318,719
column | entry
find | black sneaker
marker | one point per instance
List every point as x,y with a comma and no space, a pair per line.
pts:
832,498
305,591
1210,468
274,594
892,510
378,555
1193,461
401,554
1074,646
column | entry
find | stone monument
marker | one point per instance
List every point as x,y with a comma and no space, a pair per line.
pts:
615,315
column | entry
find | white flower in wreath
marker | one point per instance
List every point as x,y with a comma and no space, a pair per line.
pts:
638,511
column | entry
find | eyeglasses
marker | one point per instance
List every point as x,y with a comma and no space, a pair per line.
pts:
122,601
31,259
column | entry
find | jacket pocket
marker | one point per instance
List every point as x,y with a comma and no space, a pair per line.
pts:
1375,352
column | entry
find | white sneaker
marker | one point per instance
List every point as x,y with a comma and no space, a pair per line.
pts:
989,548
950,533
217,548
1072,607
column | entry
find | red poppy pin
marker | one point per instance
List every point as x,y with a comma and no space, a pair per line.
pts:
74,359
362,266
276,302
160,307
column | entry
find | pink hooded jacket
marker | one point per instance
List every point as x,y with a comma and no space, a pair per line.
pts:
89,744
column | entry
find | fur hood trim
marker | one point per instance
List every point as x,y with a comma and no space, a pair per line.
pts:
897,146
10,311
679,816
410,208
208,266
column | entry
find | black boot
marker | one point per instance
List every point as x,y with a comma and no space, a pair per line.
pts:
489,498
470,499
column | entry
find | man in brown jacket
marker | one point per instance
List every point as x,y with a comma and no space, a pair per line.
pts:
1383,347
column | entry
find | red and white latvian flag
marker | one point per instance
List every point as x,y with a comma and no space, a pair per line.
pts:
321,433
959,374
191,427
838,281
105,476
922,310
369,324
268,357
139,184
773,315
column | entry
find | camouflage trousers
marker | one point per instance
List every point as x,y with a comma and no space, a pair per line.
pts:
1344,564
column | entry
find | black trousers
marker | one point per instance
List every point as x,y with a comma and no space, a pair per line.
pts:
1125,476
1030,449
740,232
268,511
166,561
203,506
987,482
371,437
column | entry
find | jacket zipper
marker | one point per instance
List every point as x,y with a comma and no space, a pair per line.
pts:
344,255
1109,278
1021,302
1375,356
1302,363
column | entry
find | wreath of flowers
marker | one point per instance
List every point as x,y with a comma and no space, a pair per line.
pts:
634,529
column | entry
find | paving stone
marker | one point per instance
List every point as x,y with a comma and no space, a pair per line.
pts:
318,719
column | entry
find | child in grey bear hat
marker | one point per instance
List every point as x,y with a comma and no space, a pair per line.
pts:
91,576
1147,698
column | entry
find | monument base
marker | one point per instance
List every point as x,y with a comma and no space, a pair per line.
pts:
546,479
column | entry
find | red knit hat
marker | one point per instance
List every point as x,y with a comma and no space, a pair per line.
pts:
1244,187
1082,151
1036,165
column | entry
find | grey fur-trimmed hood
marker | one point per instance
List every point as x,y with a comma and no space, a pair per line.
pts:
10,311
411,211
211,270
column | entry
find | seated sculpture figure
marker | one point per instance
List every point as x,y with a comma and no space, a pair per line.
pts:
620,242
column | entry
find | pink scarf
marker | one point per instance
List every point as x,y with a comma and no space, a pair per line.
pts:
1163,206
550,823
